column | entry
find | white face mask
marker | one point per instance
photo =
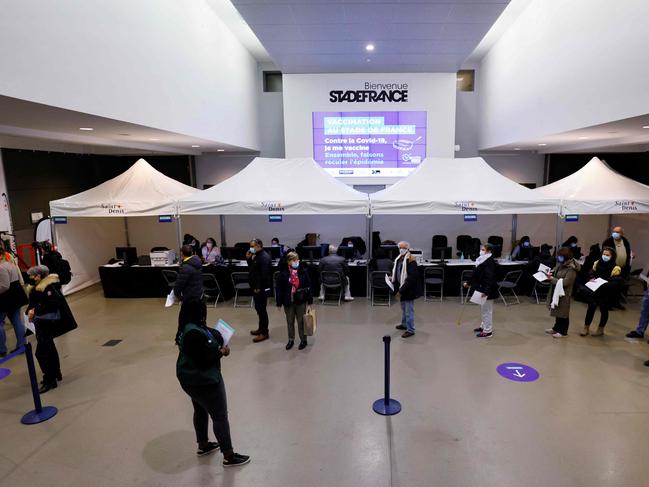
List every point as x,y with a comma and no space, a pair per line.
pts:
252,250
403,251
350,244
482,252
209,245
274,245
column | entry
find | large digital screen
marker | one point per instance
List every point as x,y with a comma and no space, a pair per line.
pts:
361,144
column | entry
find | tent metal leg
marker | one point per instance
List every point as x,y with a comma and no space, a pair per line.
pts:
222,225
514,230
128,240
179,233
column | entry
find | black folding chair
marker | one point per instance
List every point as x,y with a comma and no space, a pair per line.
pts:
377,280
240,283
508,284
332,282
211,288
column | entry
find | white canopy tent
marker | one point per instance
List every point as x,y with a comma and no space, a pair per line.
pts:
596,189
441,186
277,186
141,191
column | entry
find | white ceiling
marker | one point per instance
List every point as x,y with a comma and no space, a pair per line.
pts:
316,36
619,136
28,125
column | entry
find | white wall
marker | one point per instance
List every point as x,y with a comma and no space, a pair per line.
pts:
308,93
564,65
161,63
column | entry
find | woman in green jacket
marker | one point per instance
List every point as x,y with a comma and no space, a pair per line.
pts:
199,372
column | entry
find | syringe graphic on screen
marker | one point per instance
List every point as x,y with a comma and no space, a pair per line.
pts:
405,145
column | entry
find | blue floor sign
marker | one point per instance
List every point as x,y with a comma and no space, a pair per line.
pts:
518,372
4,373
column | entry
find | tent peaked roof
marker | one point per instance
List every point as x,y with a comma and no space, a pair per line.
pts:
456,186
598,189
139,191
277,186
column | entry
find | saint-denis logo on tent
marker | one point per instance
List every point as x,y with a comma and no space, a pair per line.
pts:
273,206
469,206
627,205
114,208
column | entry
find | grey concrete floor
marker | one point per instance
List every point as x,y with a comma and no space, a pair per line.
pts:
305,416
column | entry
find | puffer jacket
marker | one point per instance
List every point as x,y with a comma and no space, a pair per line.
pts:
568,272
190,279
46,299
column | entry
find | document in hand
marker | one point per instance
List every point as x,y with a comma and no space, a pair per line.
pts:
478,298
542,274
171,300
225,330
389,283
595,285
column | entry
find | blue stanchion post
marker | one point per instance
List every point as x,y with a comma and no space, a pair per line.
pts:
387,406
39,413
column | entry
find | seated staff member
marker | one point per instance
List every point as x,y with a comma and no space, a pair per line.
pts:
211,253
335,263
562,279
523,251
405,278
198,369
293,291
606,269
484,281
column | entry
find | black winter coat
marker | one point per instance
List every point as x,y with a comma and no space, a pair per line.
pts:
190,279
283,286
408,290
484,279
260,270
46,299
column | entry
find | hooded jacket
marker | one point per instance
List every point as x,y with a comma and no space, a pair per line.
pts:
190,279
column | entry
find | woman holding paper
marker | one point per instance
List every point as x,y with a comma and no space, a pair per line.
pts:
198,370
485,289
562,279
293,291
603,269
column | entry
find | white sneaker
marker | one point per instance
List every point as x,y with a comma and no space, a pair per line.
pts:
349,298
321,298
559,335
550,331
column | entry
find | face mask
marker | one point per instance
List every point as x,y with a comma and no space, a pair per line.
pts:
526,244
573,244
274,245
403,251
615,235
252,250
606,258
350,244
561,258
209,245
295,264
482,252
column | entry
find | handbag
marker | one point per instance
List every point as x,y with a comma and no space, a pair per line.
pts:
310,322
302,295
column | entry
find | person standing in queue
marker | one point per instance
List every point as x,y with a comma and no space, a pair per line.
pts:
293,291
404,279
189,284
12,298
259,278
562,279
484,281
198,370
604,268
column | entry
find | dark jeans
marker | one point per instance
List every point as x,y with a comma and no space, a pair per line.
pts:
209,400
48,358
602,299
261,300
561,325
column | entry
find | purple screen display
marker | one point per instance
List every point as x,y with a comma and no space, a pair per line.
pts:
369,143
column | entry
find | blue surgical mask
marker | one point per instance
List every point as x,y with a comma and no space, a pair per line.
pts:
561,258
252,250
295,264
482,252
526,244
573,244
615,235
606,258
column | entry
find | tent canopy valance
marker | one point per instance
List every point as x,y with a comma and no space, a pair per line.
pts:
139,191
277,186
446,186
597,189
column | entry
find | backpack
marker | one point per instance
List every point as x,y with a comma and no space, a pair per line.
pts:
65,272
